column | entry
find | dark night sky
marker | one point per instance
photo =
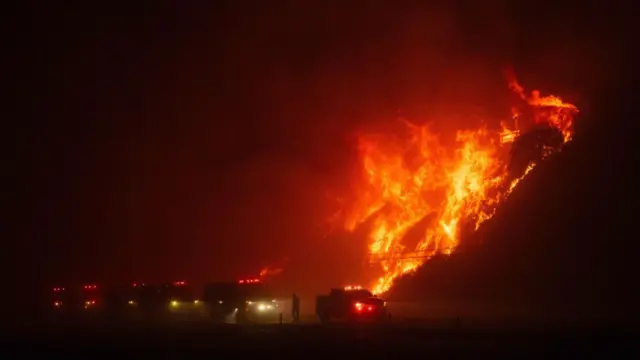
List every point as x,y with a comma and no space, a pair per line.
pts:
200,141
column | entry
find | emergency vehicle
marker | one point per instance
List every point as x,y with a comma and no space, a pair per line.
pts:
77,300
351,303
242,301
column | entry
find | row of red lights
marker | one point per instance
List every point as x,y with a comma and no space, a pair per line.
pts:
93,286
86,287
353,287
249,281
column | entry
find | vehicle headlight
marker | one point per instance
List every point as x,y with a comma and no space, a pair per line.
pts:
265,307
174,303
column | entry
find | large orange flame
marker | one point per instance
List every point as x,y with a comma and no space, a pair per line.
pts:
406,182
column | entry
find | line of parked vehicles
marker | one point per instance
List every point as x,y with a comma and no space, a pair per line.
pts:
242,301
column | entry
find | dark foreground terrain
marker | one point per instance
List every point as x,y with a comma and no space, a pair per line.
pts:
311,340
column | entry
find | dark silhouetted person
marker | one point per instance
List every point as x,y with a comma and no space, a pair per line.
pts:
295,308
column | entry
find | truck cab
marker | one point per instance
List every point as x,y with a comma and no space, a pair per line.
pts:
182,299
351,303
246,300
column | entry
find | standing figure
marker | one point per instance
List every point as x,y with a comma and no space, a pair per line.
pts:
295,308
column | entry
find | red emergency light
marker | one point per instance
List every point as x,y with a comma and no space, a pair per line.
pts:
361,307
353,287
179,283
249,281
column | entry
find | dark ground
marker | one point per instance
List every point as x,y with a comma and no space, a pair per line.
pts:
402,338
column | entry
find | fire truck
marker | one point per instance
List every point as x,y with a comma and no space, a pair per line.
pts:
183,299
174,299
352,303
242,301
77,300
125,300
